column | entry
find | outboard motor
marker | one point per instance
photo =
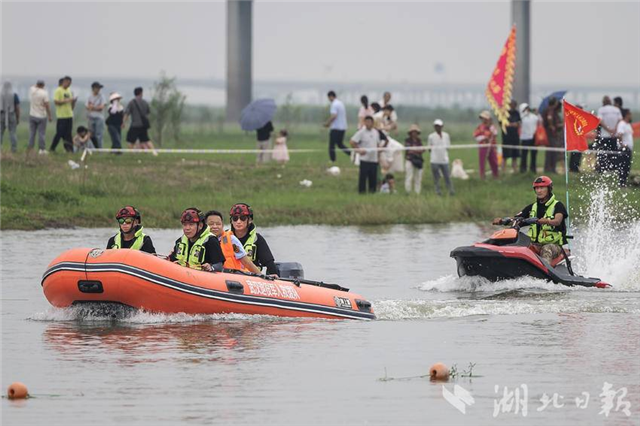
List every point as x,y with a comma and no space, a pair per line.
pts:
291,270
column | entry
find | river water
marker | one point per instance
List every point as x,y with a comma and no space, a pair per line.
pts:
536,346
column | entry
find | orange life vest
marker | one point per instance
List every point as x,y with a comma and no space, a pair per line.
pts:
229,252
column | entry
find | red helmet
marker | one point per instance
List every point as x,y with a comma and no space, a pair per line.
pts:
191,215
127,211
542,182
241,209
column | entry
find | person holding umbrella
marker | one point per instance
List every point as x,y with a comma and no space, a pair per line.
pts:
257,116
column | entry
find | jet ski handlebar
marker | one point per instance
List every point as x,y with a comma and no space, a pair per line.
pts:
518,222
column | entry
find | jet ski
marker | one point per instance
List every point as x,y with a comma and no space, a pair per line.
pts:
509,253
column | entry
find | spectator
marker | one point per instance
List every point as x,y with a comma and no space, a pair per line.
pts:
337,124
555,134
388,185
263,135
65,102
82,140
366,142
138,109
485,135
389,119
378,116
414,163
511,139
439,141
617,102
280,151
365,109
39,113
609,117
530,122
115,119
386,100
9,114
624,132
95,116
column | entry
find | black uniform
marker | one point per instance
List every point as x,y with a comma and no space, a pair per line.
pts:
264,257
212,251
147,244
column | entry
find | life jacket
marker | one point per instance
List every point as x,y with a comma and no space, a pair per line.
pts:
250,245
195,257
229,251
545,234
137,244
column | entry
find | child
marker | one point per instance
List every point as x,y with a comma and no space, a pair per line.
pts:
388,184
280,151
82,139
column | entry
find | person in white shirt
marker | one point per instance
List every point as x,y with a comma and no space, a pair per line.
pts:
366,142
386,100
39,114
609,117
528,129
624,132
337,124
438,142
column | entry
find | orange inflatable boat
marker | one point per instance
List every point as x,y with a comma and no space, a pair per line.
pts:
143,281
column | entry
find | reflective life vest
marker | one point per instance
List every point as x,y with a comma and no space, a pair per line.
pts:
545,234
229,251
250,245
137,244
195,257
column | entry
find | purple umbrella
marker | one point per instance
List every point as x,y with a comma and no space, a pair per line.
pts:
257,114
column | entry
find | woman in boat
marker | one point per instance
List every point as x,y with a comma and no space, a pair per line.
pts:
234,253
241,218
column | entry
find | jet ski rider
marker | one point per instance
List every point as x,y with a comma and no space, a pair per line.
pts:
550,233
130,235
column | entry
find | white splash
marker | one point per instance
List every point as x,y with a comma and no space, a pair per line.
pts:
607,248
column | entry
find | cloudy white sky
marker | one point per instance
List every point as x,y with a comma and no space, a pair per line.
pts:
585,43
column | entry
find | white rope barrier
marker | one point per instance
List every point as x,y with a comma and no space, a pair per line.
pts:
308,151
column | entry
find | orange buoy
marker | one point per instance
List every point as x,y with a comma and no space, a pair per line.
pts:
439,371
17,390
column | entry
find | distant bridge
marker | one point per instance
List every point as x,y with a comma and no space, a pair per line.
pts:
314,92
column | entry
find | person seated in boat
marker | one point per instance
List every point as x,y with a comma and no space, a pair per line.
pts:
197,248
550,233
242,226
234,253
130,235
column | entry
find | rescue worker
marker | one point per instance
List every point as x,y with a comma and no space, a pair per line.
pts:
130,235
235,255
242,226
198,248
550,233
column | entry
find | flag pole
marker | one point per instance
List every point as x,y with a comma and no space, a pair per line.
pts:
566,167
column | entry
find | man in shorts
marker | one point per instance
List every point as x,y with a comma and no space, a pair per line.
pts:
138,109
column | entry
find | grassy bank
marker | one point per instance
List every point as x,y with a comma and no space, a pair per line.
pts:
43,191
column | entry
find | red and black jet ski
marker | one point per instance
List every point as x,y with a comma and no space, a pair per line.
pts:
509,254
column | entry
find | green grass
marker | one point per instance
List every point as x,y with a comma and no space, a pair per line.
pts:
41,191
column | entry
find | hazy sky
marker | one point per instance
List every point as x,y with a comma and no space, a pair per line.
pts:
583,43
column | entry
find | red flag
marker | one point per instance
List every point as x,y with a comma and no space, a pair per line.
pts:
498,91
577,124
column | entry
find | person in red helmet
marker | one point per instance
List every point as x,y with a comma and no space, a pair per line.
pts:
197,248
241,217
550,233
130,235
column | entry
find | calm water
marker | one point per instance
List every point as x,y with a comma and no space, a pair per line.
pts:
522,335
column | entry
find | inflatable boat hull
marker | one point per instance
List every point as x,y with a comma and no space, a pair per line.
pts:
144,281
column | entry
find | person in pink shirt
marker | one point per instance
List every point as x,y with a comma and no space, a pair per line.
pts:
485,135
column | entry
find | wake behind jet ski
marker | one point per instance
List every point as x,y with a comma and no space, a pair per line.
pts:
539,253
